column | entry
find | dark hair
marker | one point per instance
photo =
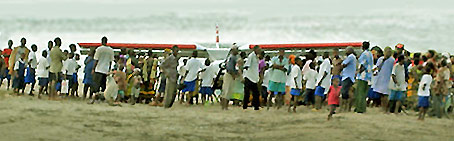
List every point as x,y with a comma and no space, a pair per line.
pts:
194,53
424,58
207,62
312,65
401,58
366,45
432,53
104,39
443,63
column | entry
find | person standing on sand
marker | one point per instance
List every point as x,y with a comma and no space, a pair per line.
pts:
348,78
229,77
366,62
31,69
15,54
384,65
295,83
424,93
55,72
278,78
333,97
42,72
251,79
6,54
193,67
169,67
323,81
19,74
103,58
88,76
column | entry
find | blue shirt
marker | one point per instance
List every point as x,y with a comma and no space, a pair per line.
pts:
367,61
384,75
350,70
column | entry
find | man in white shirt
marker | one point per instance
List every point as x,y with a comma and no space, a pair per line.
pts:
42,72
295,84
397,85
193,67
103,58
32,63
323,80
251,79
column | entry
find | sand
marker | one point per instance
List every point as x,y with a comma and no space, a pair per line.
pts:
29,118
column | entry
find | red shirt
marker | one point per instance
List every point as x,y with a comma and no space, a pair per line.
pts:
333,96
7,51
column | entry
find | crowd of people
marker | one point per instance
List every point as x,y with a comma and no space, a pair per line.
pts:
395,80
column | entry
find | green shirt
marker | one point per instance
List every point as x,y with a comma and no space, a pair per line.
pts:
57,56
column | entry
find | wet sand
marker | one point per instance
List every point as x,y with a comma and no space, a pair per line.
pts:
30,118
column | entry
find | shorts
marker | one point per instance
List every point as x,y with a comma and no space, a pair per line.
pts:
30,76
43,81
373,95
345,90
190,86
423,101
334,105
206,90
99,81
54,76
310,96
70,80
319,91
396,95
276,87
295,92
121,93
6,74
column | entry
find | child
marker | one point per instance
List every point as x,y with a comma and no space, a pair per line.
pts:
333,97
397,85
295,83
120,79
310,78
43,73
135,83
75,81
207,75
69,68
32,64
19,70
424,93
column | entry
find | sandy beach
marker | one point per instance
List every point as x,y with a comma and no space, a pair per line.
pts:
30,118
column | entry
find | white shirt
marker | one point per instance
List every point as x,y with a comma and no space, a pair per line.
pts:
266,78
399,72
426,79
311,78
324,67
104,55
42,71
208,76
193,66
32,59
295,73
252,73
16,65
69,66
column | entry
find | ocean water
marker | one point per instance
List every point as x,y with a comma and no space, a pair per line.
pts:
418,24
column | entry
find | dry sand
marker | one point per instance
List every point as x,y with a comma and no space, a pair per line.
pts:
29,118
